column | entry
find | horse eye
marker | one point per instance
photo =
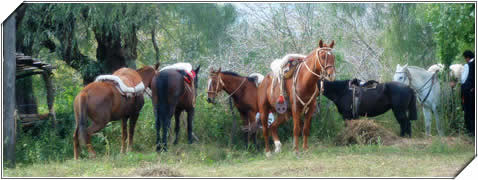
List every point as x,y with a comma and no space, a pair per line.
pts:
401,78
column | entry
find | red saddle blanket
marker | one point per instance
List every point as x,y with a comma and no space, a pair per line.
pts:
189,77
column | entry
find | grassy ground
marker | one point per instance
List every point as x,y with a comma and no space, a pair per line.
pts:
430,156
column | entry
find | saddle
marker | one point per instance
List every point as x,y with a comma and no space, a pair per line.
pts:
358,88
183,68
284,69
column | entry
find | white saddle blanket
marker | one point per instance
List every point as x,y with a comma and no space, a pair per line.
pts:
259,78
121,86
180,66
278,64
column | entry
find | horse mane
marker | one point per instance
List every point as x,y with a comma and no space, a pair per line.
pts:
417,68
251,79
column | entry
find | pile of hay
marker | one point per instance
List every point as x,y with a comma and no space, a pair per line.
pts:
365,132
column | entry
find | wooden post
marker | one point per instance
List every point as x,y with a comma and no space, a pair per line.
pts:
50,95
9,68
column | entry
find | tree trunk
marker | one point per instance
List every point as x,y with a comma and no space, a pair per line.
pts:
114,52
9,63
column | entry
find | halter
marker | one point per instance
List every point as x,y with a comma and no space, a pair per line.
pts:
216,91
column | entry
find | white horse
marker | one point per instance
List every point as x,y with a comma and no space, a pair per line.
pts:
426,86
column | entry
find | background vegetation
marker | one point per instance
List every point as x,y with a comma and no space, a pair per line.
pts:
85,40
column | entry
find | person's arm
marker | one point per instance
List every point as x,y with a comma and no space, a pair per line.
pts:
464,74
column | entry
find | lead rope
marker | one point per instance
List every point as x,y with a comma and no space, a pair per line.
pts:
321,76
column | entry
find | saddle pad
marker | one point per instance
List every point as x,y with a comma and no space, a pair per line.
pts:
121,85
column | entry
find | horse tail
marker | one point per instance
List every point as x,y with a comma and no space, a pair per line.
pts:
412,107
80,108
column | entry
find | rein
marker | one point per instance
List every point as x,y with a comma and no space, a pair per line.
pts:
322,76
421,89
223,85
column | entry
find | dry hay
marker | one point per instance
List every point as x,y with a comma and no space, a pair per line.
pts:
365,132
158,171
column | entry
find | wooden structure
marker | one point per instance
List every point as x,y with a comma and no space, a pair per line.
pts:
9,125
28,66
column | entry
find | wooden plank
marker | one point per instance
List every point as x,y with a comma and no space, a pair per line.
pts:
9,64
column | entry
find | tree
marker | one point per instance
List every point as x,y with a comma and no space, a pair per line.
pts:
100,38
453,25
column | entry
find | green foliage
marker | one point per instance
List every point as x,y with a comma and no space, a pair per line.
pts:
451,42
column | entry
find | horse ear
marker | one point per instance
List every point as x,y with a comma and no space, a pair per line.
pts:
197,69
211,69
321,44
219,70
156,66
332,44
406,65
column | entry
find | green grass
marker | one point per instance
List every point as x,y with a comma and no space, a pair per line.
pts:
414,157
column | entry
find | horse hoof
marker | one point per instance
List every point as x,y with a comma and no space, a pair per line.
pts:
268,154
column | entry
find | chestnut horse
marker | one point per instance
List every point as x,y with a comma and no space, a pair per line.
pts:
102,102
302,92
243,91
172,94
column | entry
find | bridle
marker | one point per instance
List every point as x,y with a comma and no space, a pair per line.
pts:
421,89
219,81
322,75
323,69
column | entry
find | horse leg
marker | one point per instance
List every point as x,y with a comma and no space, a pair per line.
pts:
246,127
401,118
158,129
265,131
90,131
76,144
132,124
437,120
306,129
124,134
190,125
177,116
296,119
253,127
275,135
166,121
428,122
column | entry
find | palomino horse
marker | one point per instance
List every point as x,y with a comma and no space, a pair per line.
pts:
354,100
302,91
109,99
243,91
427,88
171,94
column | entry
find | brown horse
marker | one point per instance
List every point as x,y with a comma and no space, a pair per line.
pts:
102,102
173,95
243,91
302,91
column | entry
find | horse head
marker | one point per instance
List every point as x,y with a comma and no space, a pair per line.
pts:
402,74
147,73
196,72
214,85
326,59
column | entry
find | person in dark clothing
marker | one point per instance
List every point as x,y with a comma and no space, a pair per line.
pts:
468,91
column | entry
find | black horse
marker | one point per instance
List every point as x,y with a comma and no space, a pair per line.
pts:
172,94
373,101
